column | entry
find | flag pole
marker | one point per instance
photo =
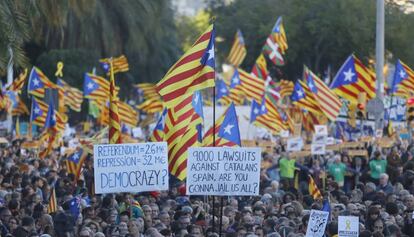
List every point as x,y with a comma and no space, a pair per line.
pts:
214,144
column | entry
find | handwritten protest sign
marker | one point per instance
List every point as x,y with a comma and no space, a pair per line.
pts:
318,149
321,130
284,133
319,138
223,171
317,223
130,167
330,141
294,144
378,133
348,226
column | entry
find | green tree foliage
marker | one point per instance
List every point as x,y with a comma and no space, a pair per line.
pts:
143,30
319,32
14,31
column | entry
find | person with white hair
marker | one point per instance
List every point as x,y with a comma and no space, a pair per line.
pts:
384,184
338,170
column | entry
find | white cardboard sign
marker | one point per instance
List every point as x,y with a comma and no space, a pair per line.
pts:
223,171
348,226
318,149
321,130
319,138
135,168
294,144
317,223
284,133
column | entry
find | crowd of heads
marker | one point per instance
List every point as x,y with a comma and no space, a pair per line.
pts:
377,188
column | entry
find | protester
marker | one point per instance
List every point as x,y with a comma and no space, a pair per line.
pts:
384,203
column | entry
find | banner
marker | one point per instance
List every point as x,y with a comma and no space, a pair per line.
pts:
294,144
317,223
348,226
223,171
130,167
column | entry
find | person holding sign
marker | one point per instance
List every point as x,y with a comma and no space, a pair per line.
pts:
287,166
377,167
338,170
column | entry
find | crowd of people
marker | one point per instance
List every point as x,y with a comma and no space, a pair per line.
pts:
377,188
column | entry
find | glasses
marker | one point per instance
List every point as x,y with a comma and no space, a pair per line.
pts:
378,227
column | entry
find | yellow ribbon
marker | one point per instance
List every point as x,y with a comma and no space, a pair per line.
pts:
59,71
348,225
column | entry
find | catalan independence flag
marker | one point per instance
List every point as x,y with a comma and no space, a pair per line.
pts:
302,98
195,70
328,102
286,88
314,190
39,115
403,83
266,115
18,83
52,130
114,119
279,35
119,64
226,130
95,87
253,87
151,106
238,50
181,129
158,132
70,96
75,162
38,82
127,114
352,79
52,206
149,90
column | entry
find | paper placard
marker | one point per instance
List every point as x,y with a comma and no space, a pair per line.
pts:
319,138
294,144
137,133
378,133
284,133
133,168
321,130
330,141
357,153
317,223
348,226
223,171
318,149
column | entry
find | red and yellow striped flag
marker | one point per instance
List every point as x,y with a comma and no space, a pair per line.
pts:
194,71
119,64
52,206
238,50
313,189
114,121
18,83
